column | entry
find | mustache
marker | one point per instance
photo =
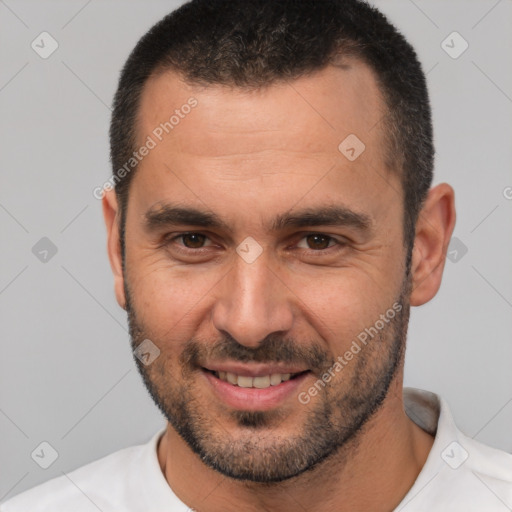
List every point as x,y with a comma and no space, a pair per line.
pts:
273,349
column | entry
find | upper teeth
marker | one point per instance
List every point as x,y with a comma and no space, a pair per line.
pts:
253,382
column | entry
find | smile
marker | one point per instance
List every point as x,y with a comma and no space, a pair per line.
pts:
262,382
254,388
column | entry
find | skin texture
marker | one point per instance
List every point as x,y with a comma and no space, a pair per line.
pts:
249,156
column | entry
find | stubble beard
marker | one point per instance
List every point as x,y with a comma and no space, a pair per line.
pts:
334,420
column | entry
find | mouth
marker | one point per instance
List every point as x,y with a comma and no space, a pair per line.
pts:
260,382
254,387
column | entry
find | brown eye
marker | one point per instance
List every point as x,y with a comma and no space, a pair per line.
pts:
318,241
193,240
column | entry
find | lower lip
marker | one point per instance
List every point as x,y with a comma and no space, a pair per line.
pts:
254,399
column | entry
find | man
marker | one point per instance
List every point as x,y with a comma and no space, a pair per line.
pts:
271,224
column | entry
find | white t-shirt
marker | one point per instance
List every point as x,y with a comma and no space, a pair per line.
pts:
460,475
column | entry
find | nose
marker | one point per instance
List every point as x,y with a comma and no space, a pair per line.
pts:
252,303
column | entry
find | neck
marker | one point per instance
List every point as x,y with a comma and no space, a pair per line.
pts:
373,471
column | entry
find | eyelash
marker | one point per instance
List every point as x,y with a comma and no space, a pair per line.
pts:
170,239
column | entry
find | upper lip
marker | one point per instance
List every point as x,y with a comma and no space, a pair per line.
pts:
253,369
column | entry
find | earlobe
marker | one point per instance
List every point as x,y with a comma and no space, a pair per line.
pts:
111,217
434,229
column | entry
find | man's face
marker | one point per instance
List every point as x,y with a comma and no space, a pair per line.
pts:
291,299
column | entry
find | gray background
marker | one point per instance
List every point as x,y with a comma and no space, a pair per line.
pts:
66,372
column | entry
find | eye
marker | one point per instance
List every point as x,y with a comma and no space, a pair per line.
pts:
318,242
193,240
188,241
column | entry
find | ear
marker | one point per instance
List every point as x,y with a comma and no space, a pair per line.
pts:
434,229
111,215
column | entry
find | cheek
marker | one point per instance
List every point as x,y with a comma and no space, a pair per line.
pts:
169,299
342,304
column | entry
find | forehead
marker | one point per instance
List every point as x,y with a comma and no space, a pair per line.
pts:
322,108
279,142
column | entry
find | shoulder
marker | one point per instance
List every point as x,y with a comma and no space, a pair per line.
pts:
489,469
472,476
490,461
100,485
460,473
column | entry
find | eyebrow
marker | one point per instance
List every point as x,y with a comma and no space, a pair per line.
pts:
170,214
330,215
